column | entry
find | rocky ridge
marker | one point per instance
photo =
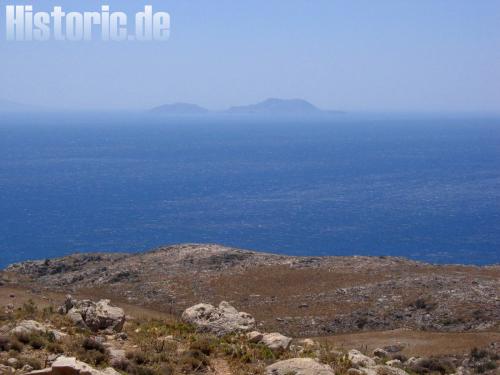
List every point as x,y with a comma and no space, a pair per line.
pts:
308,296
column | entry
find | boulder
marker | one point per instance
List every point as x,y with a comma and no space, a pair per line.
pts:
276,341
116,355
308,343
70,366
358,359
95,316
220,320
299,366
7,370
28,327
12,362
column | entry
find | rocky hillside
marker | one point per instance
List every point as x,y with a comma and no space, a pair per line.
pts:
85,337
298,296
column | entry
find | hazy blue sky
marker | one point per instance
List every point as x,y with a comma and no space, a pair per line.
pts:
421,55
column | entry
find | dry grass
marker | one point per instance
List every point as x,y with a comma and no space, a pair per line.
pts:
417,343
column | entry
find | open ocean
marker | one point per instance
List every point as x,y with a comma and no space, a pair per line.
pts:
424,187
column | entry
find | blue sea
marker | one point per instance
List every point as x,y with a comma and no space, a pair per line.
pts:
424,187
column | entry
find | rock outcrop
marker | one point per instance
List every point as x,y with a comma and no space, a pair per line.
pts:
95,316
358,359
70,366
299,366
276,341
220,320
29,327
364,365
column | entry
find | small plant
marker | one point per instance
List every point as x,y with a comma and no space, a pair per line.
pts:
37,342
55,348
204,345
87,349
29,309
5,344
194,360
23,337
92,344
16,346
434,365
477,354
34,363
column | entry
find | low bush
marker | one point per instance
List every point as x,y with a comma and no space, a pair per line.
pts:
92,344
477,354
205,345
194,360
5,344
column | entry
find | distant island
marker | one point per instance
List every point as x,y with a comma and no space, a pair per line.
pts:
270,106
180,109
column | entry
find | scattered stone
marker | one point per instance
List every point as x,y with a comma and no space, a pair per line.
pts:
220,320
9,309
26,368
31,326
116,355
70,366
121,336
276,341
95,316
12,362
359,359
388,370
299,366
413,361
308,343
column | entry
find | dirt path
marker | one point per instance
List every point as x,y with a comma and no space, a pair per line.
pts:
220,367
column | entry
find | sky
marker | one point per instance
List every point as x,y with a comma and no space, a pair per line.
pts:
352,55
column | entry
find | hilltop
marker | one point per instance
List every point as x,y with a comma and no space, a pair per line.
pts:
285,315
300,296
